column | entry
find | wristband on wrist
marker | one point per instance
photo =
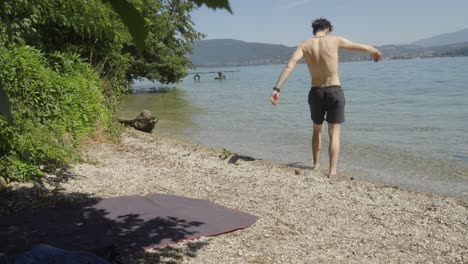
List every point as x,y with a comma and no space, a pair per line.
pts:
276,89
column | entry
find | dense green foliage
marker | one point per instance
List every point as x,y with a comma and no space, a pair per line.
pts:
93,30
65,64
55,102
170,38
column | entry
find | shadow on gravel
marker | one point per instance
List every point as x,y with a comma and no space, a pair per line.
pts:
234,158
77,221
167,255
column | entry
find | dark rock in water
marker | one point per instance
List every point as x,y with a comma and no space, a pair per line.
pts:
145,121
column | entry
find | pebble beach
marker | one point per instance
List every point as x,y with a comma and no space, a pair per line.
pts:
303,216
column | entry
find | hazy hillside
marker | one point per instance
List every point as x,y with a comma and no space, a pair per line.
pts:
444,39
396,52
230,52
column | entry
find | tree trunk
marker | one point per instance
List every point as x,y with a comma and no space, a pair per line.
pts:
145,121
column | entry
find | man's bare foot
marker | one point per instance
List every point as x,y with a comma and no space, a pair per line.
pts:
330,175
316,167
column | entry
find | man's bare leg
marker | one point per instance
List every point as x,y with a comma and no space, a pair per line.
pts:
316,144
334,147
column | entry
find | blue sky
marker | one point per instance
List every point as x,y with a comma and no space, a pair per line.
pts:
377,22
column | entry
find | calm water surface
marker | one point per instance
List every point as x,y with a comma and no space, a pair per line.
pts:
406,121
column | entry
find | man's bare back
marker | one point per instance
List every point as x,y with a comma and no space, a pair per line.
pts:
321,56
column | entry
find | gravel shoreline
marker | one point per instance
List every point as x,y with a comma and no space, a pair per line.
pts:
304,217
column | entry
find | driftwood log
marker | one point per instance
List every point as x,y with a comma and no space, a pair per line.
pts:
145,121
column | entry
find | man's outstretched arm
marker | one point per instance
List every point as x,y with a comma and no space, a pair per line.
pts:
297,56
357,47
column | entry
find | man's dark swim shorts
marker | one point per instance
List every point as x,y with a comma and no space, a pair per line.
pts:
327,101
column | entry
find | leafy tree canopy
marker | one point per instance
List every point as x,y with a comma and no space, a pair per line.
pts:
64,65
109,34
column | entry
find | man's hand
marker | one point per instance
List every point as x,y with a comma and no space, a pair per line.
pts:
376,56
274,97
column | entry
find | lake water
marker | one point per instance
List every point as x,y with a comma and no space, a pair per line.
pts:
406,120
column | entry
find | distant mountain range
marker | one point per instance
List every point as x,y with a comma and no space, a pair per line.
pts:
231,52
444,39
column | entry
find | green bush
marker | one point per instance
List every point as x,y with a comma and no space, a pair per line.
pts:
56,102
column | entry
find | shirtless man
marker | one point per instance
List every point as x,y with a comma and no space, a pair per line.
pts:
326,99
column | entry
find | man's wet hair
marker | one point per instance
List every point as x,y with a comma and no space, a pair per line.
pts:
321,24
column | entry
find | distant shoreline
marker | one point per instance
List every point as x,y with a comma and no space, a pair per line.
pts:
282,63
